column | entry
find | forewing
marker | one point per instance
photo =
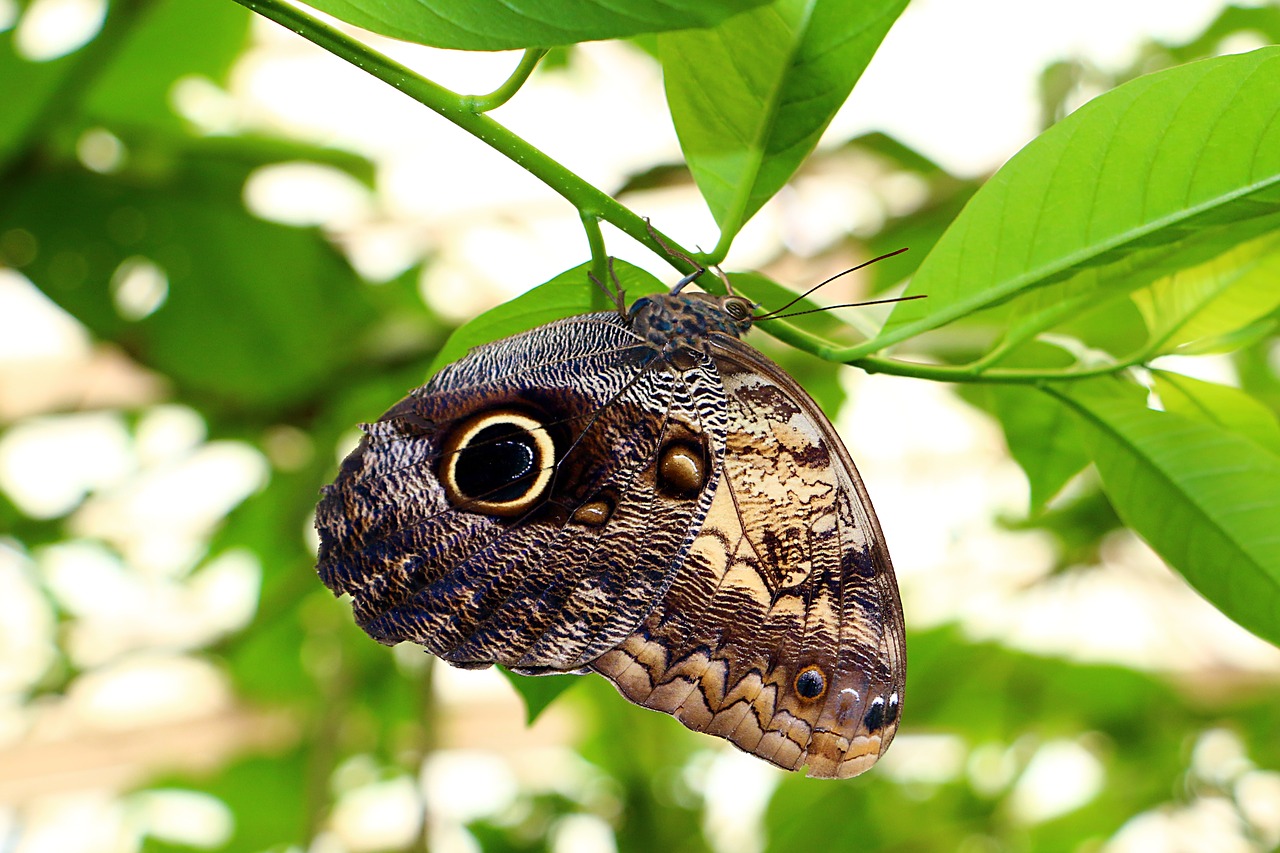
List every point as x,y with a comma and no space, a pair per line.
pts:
547,589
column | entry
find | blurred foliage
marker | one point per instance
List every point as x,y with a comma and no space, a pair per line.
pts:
265,330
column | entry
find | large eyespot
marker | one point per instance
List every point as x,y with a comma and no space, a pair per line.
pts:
497,463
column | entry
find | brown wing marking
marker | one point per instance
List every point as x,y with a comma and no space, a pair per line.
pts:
788,572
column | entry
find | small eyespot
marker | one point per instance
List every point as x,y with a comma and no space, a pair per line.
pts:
682,470
594,513
891,713
811,683
849,700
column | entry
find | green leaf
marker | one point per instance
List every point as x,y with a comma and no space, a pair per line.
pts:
1191,151
28,86
1205,499
508,24
136,86
250,313
1216,298
1233,341
538,691
567,294
1255,364
1095,305
751,97
1221,405
1042,436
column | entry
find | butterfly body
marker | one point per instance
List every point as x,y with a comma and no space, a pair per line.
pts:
645,496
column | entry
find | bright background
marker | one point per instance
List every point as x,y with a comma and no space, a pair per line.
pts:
172,676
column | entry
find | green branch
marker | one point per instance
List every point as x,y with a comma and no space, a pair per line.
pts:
594,205
599,259
1010,376
505,92
462,110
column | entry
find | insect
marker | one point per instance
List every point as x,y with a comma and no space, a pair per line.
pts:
642,494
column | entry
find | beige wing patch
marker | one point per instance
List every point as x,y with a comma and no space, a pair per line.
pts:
782,632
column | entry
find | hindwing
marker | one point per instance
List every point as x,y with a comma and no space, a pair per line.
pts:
782,631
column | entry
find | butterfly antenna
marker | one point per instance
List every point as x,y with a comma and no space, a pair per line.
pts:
775,314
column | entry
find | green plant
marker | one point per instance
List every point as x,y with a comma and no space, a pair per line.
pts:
1143,225
1160,198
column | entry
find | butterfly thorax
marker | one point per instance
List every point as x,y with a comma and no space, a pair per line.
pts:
676,323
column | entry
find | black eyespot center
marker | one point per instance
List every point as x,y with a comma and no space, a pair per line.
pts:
497,463
874,719
811,683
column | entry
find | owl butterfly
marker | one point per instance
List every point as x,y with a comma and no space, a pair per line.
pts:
641,494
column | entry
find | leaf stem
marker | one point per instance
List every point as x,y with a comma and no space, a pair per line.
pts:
1008,376
505,92
459,109
599,257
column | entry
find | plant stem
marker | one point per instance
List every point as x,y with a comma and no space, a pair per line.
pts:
459,109
599,259
1010,376
973,372
505,92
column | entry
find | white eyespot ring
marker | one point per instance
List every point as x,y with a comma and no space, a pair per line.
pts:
465,485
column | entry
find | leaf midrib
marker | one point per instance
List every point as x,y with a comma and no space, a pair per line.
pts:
1165,478
1049,273
746,189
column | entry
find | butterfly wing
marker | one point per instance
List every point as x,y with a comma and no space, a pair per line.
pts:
783,629
696,532
544,572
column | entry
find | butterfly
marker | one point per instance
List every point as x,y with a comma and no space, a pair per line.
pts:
641,494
